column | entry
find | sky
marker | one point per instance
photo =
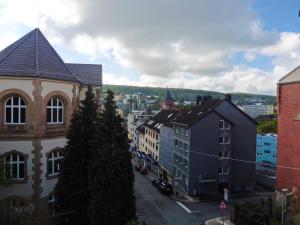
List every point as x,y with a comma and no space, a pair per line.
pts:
217,45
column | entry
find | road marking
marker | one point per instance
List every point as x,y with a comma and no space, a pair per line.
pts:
185,208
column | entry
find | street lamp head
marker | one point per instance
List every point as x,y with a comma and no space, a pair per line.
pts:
284,190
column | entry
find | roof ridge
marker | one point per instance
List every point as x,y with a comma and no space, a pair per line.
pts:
58,55
37,65
18,45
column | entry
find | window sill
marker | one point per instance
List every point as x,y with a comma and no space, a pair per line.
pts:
16,181
52,176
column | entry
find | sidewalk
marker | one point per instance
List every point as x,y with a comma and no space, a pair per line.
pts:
183,198
218,221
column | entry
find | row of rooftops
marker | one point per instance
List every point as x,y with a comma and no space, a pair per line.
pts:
187,117
32,56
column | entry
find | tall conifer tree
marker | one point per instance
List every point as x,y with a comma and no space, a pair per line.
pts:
71,192
112,195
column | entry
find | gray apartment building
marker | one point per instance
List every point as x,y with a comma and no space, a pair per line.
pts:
166,148
209,142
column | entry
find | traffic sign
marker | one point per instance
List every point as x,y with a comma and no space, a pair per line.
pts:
222,205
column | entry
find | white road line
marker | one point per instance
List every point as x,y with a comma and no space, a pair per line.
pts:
184,207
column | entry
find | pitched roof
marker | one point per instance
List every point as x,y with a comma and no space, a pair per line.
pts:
291,77
87,74
168,96
188,117
33,56
162,117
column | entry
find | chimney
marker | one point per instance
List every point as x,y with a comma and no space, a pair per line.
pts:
200,99
227,97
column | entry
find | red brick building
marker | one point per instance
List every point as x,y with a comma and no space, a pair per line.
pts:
289,131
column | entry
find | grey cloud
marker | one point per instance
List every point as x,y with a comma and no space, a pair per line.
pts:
209,30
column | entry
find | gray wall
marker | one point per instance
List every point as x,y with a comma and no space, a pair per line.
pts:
243,146
204,139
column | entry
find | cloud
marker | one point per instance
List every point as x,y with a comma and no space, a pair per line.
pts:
173,42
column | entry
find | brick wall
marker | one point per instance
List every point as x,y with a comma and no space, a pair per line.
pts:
289,136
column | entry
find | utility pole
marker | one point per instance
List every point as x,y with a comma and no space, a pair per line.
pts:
283,203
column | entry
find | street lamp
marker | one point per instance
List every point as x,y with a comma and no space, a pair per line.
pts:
283,194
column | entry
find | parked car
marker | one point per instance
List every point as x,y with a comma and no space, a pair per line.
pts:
165,188
143,171
137,168
155,182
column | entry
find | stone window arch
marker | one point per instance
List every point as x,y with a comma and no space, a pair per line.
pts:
15,166
15,110
55,111
54,159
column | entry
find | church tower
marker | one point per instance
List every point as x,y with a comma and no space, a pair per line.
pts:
168,102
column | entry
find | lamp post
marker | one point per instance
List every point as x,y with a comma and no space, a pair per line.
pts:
283,194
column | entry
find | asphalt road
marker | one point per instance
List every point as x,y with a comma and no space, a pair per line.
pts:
157,209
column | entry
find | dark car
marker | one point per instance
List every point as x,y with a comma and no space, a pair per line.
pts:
155,182
143,171
138,168
165,188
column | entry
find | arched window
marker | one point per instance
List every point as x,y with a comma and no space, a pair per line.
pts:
51,201
14,166
55,109
54,160
15,110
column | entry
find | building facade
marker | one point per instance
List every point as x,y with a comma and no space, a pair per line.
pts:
206,138
288,94
266,152
166,149
38,95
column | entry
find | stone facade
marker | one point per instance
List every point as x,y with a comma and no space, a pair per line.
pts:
30,145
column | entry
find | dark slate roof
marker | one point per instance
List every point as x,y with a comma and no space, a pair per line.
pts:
168,96
87,74
33,56
141,129
160,119
188,117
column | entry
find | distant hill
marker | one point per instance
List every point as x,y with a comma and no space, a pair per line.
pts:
189,94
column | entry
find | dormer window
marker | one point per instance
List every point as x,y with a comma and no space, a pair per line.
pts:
15,110
55,109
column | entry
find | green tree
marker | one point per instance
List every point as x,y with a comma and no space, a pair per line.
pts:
111,182
71,192
267,127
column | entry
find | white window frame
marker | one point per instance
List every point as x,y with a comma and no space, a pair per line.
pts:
12,106
223,122
226,172
220,173
52,160
11,163
58,108
226,142
227,126
222,139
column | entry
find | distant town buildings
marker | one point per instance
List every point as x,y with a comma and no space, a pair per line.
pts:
266,152
137,118
39,92
194,146
288,176
257,110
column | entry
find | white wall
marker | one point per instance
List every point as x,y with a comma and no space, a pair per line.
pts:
47,146
23,189
22,84
49,86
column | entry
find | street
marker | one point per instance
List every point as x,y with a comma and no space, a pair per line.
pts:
157,209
